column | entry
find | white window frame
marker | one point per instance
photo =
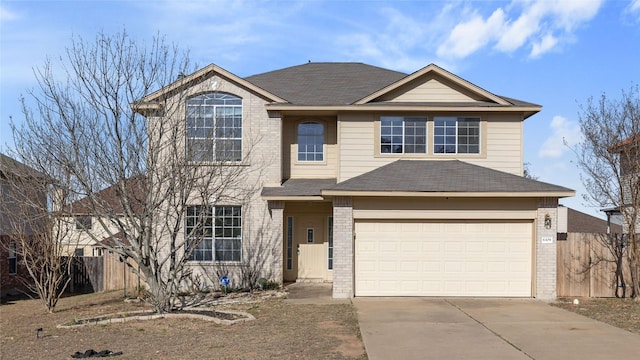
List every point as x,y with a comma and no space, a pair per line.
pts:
211,130
215,232
404,136
457,136
314,154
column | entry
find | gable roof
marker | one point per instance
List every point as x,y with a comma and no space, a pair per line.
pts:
631,140
443,178
579,222
110,201
433,69
325,83
151,101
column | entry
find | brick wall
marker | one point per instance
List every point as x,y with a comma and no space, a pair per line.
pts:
545,281
10,283
342,248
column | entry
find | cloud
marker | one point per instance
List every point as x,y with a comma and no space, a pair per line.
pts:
539,25
544,45
7,15
468,37
634,9
563,130
401,42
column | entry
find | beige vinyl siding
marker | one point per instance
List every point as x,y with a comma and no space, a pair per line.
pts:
501,145
294,169
431,90
444,208
357,146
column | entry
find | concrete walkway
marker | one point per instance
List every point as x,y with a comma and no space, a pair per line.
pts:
420,328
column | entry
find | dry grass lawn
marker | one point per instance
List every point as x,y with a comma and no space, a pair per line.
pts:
282,330
621,313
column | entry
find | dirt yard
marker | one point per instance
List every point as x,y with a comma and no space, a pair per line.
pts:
622,313
282,330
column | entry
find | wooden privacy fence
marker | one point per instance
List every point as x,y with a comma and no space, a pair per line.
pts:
586,267
102,273
119,275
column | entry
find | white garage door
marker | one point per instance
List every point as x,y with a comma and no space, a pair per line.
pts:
443,258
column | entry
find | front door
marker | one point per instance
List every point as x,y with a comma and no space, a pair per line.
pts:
305,248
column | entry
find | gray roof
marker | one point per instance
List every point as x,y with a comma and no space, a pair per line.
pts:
442,176
325,83
299,187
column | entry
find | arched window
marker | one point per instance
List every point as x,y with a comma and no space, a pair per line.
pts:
310,141
214,127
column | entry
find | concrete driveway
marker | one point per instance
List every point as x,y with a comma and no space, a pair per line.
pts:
426,328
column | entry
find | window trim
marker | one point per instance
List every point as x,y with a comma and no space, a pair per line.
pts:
324,142
213,238
457,118
214,138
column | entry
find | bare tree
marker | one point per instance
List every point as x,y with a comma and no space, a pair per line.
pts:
609,157
110,139
527,172
36,225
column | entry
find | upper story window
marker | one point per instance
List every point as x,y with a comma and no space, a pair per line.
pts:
310,142
454,135
403,135
83,222
214,127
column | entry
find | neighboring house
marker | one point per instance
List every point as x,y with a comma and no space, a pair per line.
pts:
17,199
384,183
89,232
628,151
574,221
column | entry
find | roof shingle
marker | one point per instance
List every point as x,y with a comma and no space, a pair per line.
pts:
442,176
325,83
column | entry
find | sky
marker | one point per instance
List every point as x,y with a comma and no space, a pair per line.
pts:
554,53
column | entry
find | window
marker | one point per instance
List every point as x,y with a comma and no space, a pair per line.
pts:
330,241
456,135
13,259
310,142
403,135
289,242
214,127
218,230
83,222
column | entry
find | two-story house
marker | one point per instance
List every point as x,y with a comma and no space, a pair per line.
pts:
628,152
23,202
384,183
